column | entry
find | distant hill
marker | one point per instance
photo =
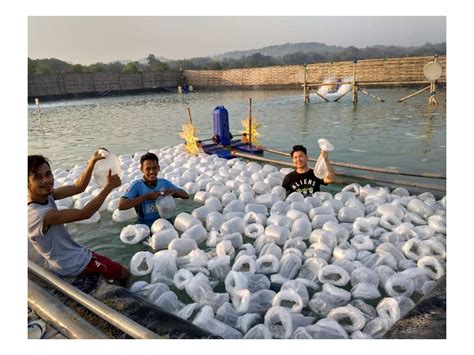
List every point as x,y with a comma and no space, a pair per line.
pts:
282,49
336,52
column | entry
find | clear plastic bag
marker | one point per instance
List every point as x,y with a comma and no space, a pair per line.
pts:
321,169
102,167
166,206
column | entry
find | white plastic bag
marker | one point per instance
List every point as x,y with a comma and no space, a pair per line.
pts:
101,167
166,206
320,169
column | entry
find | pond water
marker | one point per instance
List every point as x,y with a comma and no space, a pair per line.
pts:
388,134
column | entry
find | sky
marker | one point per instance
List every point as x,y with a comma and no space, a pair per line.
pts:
91,39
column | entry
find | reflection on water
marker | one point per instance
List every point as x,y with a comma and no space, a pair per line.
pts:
371,133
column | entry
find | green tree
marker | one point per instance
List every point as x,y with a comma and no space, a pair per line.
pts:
151,60
97,68
76,69
114,67
32,66
131,67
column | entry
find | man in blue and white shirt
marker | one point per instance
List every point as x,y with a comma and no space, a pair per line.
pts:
142,193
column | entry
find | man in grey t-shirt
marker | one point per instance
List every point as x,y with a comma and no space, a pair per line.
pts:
46,229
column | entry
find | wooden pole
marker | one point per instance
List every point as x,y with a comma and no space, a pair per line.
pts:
415,93
189,114
37,106
340,97
354,84
373,96
305,88
250,122
321,96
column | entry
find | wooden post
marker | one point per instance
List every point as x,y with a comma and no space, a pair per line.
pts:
414,94
305,87
250,121
354,83
37,106
431,100
190,118
371,95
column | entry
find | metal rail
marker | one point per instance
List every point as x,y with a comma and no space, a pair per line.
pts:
113,317
339,174
61,317
364,167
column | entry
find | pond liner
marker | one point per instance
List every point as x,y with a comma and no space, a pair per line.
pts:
166,325
427,320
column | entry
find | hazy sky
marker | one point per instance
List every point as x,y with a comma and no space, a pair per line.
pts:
91,39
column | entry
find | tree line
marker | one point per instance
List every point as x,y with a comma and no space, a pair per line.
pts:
55,66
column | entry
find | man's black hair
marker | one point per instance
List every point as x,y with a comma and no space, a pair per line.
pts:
35,161
299,148
148,156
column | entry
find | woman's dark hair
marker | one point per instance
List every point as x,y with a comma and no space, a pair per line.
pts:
298,148
148,156
35,161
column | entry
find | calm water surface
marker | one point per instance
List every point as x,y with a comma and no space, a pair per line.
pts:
388,134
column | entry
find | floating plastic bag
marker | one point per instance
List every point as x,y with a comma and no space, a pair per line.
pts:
355,316
366,291
327,329
432,266
168,302
399,285
227,314
290,265
164,267
333,274
320,169
205,319
125,215
141,263
182,246
200,291
301,227
258,282
388,307
197,233
288,299
160,224
245,263
278,321
247,321
219,266
214,221
260,331
132,234
162,239
184,221
102,167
